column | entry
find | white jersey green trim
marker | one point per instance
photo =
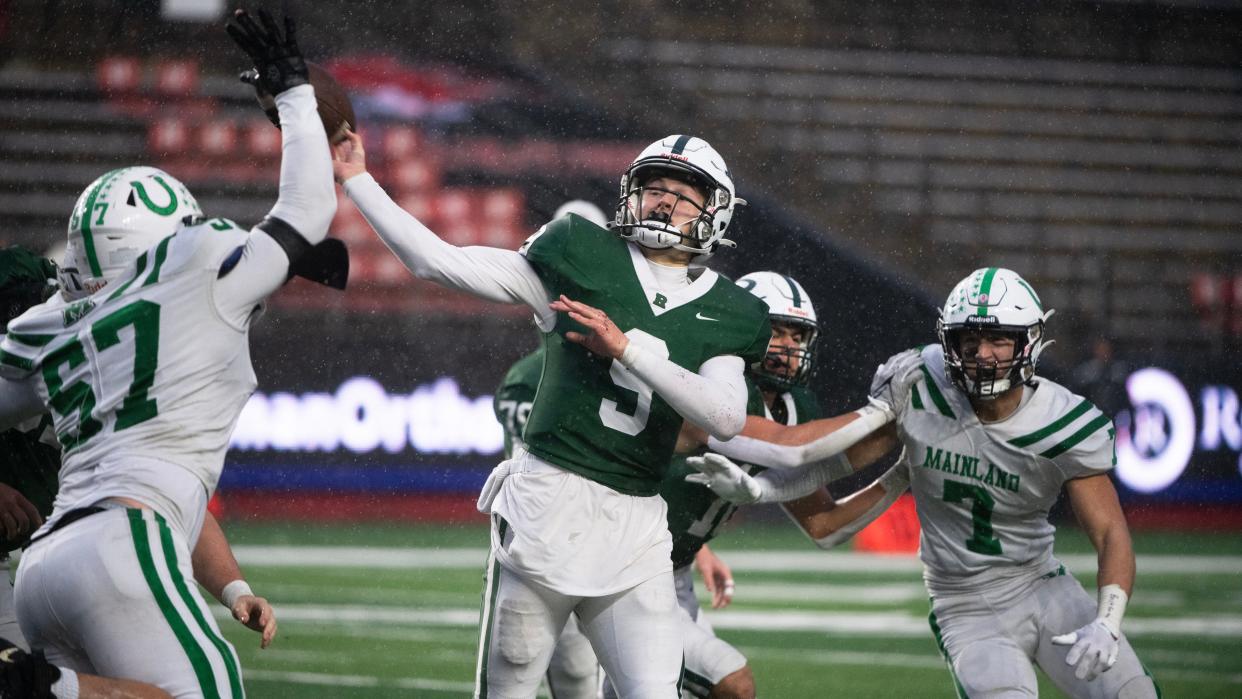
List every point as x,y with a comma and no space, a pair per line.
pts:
983,491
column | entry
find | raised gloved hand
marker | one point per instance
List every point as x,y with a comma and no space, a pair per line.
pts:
277,59
724,478
890,387
1093,648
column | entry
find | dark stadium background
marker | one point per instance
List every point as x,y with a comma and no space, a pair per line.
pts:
887,149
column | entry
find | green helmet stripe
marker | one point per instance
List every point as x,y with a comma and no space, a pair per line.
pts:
985,289
161,210
793,288
88,211
1029,290
680,144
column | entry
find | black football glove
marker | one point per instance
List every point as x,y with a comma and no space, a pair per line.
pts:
277,58
26,675
251,78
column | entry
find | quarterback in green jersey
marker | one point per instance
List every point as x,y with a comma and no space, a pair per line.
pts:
637,340
988,449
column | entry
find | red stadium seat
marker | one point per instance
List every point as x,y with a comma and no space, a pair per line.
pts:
503,206
402,142
262,139
218,137
119,74
176,77
168,136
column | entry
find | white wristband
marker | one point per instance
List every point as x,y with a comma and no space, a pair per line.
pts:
233,591
1112,601
67,687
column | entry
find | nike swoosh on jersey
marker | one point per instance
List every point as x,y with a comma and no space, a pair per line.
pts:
700,316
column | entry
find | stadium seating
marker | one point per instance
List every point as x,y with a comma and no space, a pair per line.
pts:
1108,184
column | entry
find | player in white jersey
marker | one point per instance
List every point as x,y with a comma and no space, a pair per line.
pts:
988,447
143,361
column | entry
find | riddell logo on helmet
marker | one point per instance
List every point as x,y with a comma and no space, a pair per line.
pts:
982,320
674,156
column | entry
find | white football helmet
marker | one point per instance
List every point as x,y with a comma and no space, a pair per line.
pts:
994,300
694,161
117,218
787,303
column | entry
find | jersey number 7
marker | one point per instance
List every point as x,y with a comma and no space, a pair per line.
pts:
981,540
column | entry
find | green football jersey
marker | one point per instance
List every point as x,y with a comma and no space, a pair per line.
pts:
591,415
31,463
515,395
695,513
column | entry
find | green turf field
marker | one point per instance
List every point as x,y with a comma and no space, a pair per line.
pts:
389,611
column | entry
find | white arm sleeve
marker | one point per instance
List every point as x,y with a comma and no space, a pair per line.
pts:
307,199
782,485
489,273
714,398
759,452
19,401
895,481
307,202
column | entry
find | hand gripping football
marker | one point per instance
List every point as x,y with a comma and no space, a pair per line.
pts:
335,110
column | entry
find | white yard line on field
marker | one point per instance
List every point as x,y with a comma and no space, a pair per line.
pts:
878,624
775,561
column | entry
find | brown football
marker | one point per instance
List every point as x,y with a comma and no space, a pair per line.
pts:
335,110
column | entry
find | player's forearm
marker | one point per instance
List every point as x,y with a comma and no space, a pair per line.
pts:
777,446
783,485
714,398
493,274
213,560
307,199
1115,557
853,513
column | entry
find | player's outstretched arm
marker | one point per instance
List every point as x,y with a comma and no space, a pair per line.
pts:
307,199
714,398
492,274
216,569
829,524
25,674
768,443
1094,647
730,482
774,445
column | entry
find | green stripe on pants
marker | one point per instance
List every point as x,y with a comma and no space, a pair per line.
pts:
198,659
935,627
486,621
191,602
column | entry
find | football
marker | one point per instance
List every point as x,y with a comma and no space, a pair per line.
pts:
335,110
